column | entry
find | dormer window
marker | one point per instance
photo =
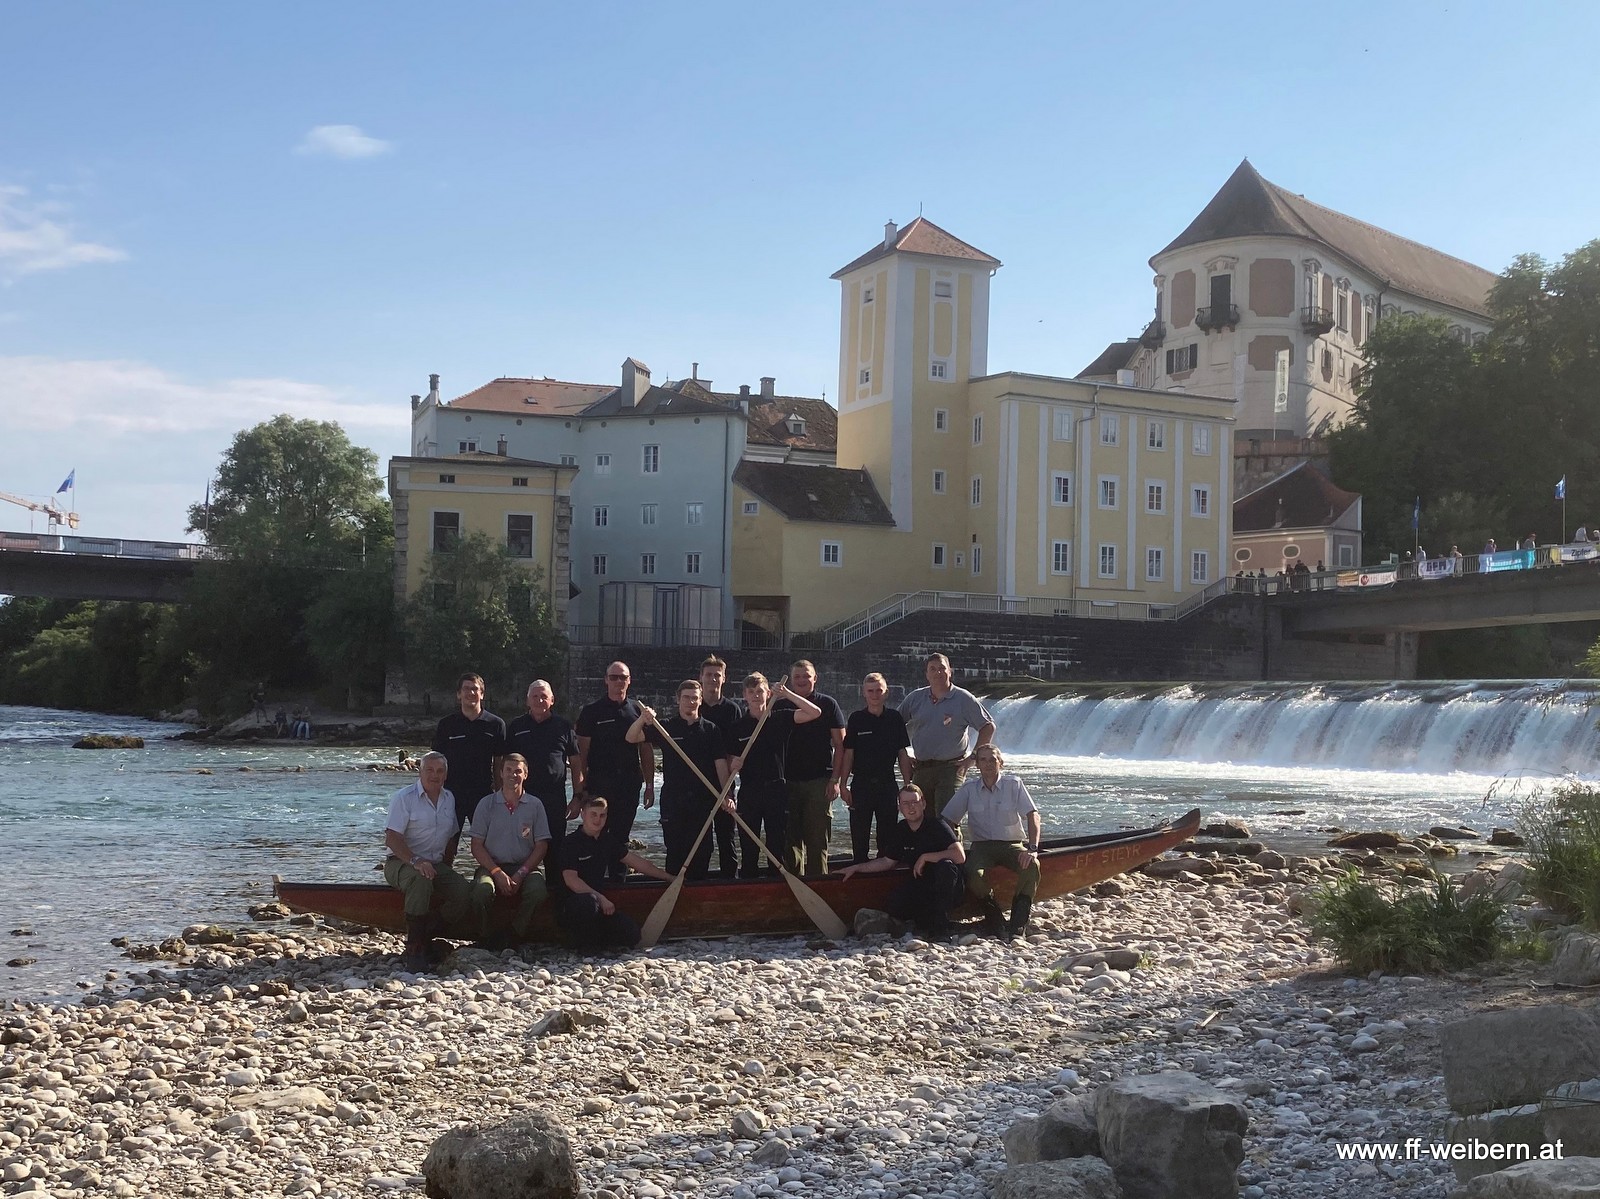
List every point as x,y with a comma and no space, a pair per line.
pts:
796,424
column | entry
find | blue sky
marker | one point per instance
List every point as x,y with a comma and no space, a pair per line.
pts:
211,213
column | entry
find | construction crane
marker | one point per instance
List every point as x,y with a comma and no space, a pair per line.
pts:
54,515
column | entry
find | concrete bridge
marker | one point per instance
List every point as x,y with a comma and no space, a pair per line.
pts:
63,566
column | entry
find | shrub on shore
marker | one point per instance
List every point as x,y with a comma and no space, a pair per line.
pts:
1409,927
1562,832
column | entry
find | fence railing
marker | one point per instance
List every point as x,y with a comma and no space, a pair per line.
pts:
108,547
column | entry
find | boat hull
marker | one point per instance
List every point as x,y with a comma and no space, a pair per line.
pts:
729,907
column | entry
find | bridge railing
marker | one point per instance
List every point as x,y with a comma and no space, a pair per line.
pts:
109,547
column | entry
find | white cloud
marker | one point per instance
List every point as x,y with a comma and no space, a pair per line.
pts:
32,239
342,141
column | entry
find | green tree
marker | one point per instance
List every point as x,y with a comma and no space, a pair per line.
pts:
349,627
477,608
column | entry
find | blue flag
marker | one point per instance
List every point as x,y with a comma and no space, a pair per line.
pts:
1561,488
1416,513
67,483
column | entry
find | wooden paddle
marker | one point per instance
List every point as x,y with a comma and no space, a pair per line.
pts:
814,906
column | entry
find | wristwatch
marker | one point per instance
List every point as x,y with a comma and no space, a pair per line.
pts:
1031,848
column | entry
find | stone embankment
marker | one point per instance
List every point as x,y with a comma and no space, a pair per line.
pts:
298,1059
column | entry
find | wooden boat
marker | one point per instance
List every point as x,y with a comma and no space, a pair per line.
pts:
726,907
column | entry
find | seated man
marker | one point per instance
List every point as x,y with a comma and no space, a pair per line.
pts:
997,806
510,837
930,847
421,824
588,919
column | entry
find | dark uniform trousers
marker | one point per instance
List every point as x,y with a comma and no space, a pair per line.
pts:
765,808
872,799
927,901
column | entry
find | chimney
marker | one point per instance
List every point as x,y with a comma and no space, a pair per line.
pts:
694,371
769,386
635,382
500,447
416,402
433,389
744,392
890,233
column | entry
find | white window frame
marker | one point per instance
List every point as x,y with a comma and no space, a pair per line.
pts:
939,478
1200,566
940,555
1065,421
750,508
597,566
1347,555
1058,477
1108,551
941,420
602,516
602,464
691,562
1200,444
569,460
1116,488
838,553
865,376
939,369
1155,437
1200,500
975,557
1155,557
649,515
469,446
1160,507
694,512
1061,557
647,565
949,292
1110,429
650,461
975,491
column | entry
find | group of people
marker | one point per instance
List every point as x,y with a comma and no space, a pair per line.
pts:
1298,577
779,759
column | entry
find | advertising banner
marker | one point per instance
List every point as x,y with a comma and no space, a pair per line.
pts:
1578,551
1436,568
1505,560
1280,385
1366,578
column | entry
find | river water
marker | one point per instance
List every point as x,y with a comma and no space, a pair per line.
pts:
141,843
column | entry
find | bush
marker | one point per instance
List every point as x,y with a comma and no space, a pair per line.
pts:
1562,832
1408,927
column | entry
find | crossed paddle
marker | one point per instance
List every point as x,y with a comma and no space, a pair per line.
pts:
810,902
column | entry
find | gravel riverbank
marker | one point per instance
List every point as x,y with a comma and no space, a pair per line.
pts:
298,1060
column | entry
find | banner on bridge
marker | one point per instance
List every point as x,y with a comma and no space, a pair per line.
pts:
1506,560
1579,551
1366,578
1436,568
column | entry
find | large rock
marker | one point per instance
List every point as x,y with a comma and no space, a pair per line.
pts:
288,1099
1376,839
1504,1059
526,1157
1556,1178
1572,1116
1081,1178
1508,1126
1170,867
1065,1130
1578,959
1226,828
1450,832
1171,1136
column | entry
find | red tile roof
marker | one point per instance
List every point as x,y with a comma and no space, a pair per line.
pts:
537,397
1301,498
820,493
921,236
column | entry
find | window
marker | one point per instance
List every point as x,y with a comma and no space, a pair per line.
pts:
1202,439
647,513
941,420
1061,487
569,460
943,290
938,368
602,464
598,566
938,482
866,295
1200,501
1108,561
602,516
797,425
446,531
1108,430
977,559
691,563
652,459
1347,555
1065,418
1183,358
1341,307
1061,557
447,478
1156,437
751,508
647,564
694,513
832,553
1200,567
938,556
977,429
1154,564
519,480
1155,497
519,535
468,447
865,376
1108,491
977,490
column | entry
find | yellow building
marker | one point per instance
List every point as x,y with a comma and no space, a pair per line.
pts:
1045,494
523,505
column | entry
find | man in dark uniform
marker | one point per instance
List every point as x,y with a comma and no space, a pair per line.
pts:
685,802
550,745
875,739
759,763
609,765
722,712
812,785
931,848
589,855
470,740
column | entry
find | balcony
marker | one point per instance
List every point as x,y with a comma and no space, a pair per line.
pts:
1217,316
1154,334
1316,320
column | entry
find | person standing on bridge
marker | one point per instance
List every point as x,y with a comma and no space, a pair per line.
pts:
937,718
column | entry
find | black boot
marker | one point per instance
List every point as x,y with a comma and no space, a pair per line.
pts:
418,931
994,920
1021,908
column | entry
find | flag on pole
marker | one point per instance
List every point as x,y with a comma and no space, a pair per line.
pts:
68,483
1416,514
1561,488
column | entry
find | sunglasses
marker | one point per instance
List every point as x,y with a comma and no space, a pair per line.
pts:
617,678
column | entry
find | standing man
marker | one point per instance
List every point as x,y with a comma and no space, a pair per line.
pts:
588,856
759,761
937,717
608,764
422,824
1004,831
547,741
685,802
933,851
510,837
875,739
470,739
723,713
813,786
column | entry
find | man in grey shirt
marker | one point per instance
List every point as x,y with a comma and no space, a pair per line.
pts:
1003,824
937,717
510,837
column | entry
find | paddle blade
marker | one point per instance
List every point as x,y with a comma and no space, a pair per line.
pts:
824,917
656,922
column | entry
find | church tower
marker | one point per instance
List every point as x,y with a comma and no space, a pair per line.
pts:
913,329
